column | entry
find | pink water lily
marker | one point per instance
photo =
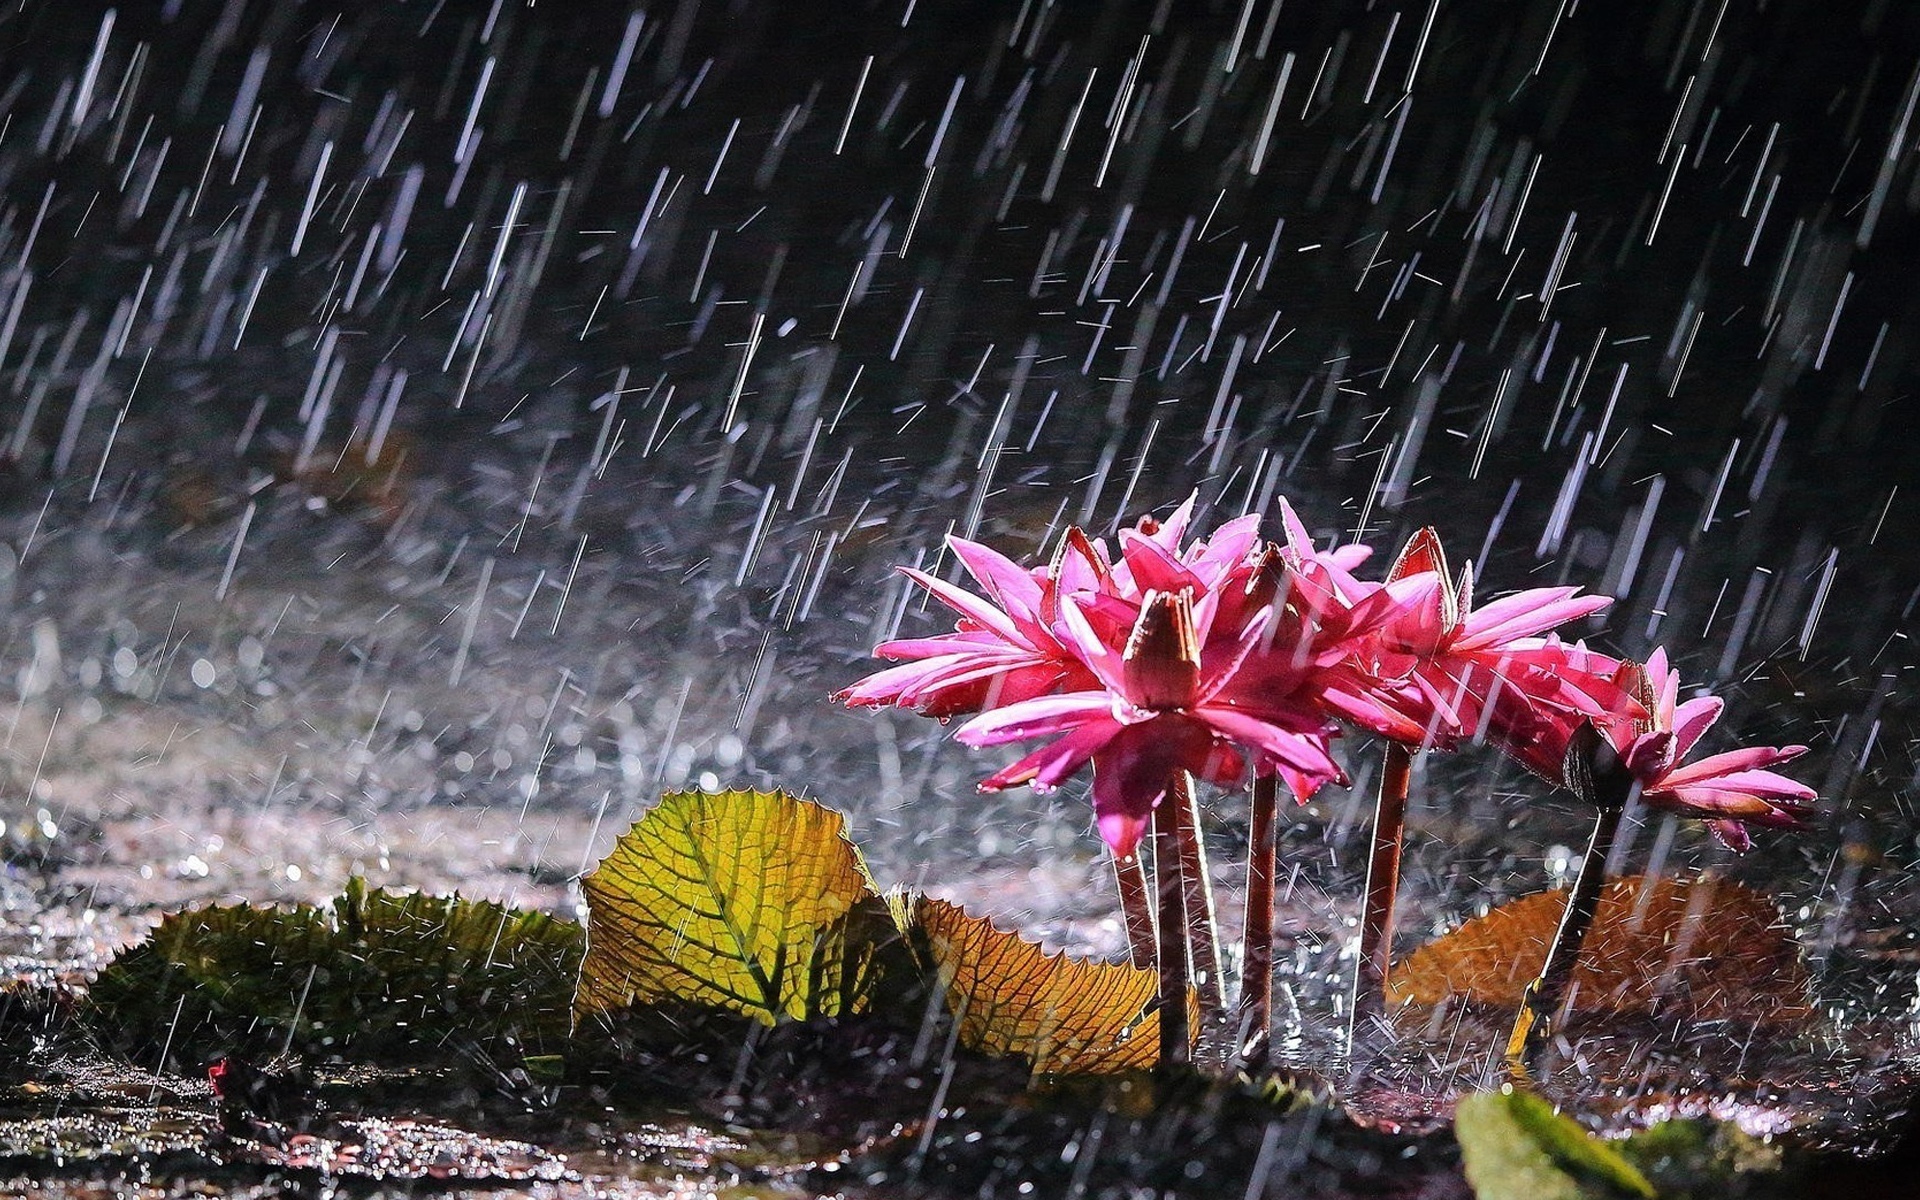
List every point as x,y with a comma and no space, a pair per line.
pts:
1009,645
1652,731
1322,619
1527,700
1452,671
1126,658
1159,710
1730,790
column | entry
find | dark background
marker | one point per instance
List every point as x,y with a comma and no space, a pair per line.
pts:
709,313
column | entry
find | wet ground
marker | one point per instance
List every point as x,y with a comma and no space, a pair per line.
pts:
430,434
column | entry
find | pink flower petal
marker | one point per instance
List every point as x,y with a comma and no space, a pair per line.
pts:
1119,828
1525,614
1010,585
968,605
1222,671
1413,604
1692,719
1226,549
1081,565
887,686
1132,772
1099,656
1439,699
1423,552
1733,835
973,643
1049,766
1299,541
1417,622
1304,752
1110,616
1706,800
1730,763
1665,682
1169,532
966,673
1350,556
1369,713
1154,568
1303,784
1039,717
1647,755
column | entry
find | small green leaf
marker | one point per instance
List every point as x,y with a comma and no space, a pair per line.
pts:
1699,1157
546,1068
1516,1147
750,902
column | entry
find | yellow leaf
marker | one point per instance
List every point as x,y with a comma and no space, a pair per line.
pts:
752,902
1706,948
1012,997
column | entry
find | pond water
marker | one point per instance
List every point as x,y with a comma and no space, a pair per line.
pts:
430,431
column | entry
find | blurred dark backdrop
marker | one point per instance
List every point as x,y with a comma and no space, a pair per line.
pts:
684,321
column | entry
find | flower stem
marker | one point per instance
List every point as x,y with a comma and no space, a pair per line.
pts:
1255,1026
1175,1028
1203,926
1383,885
1596,774
1136,908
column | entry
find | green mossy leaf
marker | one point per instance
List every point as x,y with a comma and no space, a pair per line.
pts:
468,968
377,973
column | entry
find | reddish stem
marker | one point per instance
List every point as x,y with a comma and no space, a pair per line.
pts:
1136,908
1256,974
1203,927
1175,1027
1383,885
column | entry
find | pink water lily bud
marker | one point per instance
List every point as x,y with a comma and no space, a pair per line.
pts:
1161,665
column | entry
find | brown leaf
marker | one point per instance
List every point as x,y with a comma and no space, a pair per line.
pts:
1705,948
1012,997
363,477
